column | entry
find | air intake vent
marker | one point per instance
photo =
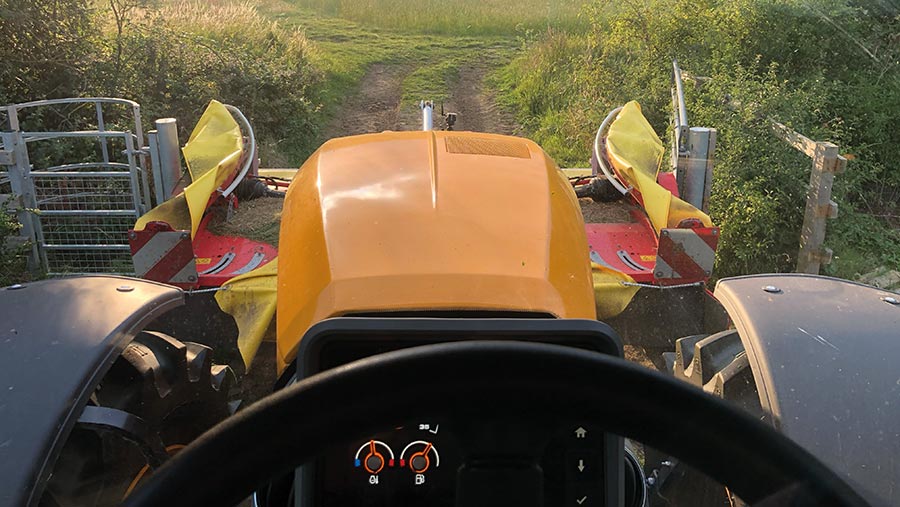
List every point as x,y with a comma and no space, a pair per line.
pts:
487,146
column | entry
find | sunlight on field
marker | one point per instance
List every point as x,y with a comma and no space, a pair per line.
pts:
459,17
215,16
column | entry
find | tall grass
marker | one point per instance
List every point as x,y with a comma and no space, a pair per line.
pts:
232,19
221,18
455,17
180,56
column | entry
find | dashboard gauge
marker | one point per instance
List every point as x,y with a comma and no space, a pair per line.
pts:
419,456
373,456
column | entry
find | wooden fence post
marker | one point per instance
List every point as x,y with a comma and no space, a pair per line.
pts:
819,208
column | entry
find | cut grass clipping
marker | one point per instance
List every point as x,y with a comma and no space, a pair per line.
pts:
257,219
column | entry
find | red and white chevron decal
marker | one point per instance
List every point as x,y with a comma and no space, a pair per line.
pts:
164,255
686,255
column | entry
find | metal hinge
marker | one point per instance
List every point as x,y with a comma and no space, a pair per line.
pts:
7,157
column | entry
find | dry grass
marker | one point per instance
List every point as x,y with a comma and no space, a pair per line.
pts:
223,17
605,212
457,17
226,18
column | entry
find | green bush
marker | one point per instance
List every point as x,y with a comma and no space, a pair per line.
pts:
13,267
172,59
180,57
46,49
799,62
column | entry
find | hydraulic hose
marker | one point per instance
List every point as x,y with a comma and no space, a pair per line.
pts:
609,175
249,161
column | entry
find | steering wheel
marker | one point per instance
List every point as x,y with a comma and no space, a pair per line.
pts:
483,384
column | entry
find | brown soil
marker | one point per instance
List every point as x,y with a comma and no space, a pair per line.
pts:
257,219
639,355
475,105
375,107
258,381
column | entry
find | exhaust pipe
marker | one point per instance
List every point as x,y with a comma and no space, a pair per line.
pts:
427,107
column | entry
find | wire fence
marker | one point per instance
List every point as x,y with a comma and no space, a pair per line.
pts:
72,191
85,230
94,261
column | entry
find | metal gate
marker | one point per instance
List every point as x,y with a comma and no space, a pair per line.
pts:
76,212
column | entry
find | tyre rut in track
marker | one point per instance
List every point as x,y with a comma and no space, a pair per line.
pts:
476,104
375,107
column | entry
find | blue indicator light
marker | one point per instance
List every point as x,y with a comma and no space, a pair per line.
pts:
357,463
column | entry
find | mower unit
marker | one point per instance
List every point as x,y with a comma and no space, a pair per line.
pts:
173,243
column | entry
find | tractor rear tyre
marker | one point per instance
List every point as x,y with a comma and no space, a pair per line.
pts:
173,387
718,364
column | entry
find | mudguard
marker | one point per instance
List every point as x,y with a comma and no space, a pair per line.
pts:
57,340
825,356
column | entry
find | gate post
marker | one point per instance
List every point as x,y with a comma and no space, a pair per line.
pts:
168,158
21,186
696,170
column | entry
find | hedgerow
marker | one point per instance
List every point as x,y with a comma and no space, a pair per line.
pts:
825,67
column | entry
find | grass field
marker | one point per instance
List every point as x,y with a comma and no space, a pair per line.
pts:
459,17
340,51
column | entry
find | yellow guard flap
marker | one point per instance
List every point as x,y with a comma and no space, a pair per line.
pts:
212,154
251,299
636,152
611,294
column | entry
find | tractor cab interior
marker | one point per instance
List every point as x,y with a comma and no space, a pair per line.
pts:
559,292
477,413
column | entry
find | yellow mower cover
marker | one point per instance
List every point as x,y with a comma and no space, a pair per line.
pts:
637,153
212,154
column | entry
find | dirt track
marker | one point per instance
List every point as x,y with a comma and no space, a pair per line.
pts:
375,107
476,105
378,105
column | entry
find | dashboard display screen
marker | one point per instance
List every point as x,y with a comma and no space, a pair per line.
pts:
411,465
416,464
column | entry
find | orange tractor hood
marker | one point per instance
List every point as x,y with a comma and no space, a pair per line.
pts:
429,221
